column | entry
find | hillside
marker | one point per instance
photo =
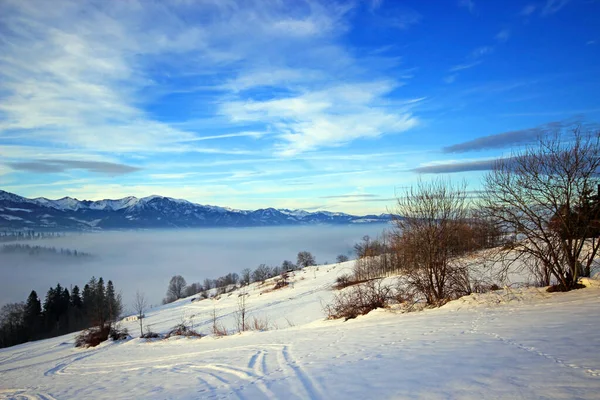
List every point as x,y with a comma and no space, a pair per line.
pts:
520,343
152,212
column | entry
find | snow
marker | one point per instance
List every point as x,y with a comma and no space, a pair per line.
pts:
507,344
18,209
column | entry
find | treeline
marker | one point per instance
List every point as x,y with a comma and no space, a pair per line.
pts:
42,250
62,312
178,287
11,236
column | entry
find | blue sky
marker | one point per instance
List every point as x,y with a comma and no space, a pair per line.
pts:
287,104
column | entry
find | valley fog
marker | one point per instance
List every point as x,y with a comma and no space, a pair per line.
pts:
146,260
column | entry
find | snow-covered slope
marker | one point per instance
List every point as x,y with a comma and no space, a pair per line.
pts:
525,344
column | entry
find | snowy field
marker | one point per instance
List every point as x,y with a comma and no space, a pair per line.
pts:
510,344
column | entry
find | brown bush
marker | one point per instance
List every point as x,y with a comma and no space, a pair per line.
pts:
92,337
258,324
182,330
561,288
343,281
117,333
359,300
151,335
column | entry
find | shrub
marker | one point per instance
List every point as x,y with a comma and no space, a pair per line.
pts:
259,324
341,258
151,335
182,330
92,337
359,300
117,333
561,288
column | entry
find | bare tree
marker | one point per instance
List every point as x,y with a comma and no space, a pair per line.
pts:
341,258
305,259
241,312
176,289
427,235
287,265
261,273
139,306
246,276
544,196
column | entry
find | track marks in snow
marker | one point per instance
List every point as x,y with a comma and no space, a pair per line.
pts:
475,329
304,381
23,394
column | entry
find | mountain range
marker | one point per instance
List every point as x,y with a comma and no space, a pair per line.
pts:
152,212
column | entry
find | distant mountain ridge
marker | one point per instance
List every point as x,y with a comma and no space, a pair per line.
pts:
150,212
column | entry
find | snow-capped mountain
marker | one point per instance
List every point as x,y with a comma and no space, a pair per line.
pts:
67,213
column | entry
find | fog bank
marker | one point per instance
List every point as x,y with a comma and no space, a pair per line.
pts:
146,260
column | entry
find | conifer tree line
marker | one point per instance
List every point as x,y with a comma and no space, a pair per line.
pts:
62,311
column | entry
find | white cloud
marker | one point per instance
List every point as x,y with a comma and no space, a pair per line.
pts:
330,117
503,35
78,76
461,67
481,51
468,4
553,6
450,78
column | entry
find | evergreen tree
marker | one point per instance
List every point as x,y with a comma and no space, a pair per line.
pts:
33,315
113,302
75,300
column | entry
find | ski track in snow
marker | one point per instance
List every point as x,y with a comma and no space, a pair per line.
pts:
500,341
476,328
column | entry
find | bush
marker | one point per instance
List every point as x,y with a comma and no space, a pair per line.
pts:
92,337
182,330
259,324
343,281
561,288
117,334
341,258
151,335
359,300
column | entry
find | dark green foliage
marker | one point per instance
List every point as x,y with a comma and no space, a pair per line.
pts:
62,313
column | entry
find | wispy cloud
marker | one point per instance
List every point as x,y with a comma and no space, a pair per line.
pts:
506,139
54,166
481,51
528,10
553,6
326,118
461,67
456,166
503,35
81,77
350,196
468,4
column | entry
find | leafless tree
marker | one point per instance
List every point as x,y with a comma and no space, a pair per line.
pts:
241,312
176,289
341,258
140,304
261,273
305,259
246,276
426,234
544,196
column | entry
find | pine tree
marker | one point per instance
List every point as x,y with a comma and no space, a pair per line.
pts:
33,315
113,302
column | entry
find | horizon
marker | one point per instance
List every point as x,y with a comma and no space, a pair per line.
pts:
319,106
154,196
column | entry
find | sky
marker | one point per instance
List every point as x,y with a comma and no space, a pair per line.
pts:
319,105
